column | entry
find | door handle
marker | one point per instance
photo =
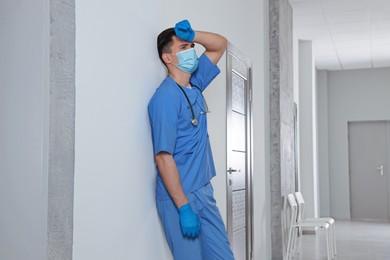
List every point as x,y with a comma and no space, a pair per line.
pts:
231,170
380,169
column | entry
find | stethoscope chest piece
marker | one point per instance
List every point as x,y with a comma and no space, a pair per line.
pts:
194,121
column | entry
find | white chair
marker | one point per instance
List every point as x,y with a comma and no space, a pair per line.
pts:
293,229
289,228
286,218
301,211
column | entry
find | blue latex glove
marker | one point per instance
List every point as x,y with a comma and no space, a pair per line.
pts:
184,31
189,221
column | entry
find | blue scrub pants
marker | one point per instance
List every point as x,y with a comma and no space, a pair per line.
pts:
212,242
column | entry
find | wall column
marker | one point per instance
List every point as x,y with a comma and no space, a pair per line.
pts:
282,161
308,162
61,129
323,143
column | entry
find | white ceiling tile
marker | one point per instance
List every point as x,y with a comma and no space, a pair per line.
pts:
324,44
381,63
309,37
380,14
304,8
305,20
358,44
361,64
379,3
351,36
325,59
347,17
381,52
312,37
378,42
326,55
311,29
349,27
337,6
380,24
328,65
311,32
379,33
298,1
354,54
381,60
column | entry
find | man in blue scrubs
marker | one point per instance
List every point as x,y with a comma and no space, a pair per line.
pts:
177,111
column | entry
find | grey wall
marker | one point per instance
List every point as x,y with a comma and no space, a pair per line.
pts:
355,95
24,74
61,129
37,129
323,143
281,115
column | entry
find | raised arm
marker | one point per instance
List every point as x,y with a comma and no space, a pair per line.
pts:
214,44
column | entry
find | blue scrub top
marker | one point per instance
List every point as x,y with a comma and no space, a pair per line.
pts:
172,131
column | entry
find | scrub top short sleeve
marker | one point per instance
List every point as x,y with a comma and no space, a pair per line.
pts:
205,73
163,116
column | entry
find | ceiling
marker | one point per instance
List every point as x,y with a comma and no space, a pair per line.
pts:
346,34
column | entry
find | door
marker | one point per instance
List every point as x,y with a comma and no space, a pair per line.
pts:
368,161
239,180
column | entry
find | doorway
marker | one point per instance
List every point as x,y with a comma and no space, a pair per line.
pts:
239,140
369,151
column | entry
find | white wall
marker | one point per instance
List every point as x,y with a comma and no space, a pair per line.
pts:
296,101
323,143
307,121
355,95
24,75
117,71
296,69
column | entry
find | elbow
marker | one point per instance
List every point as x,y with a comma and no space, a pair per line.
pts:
225,42
162,157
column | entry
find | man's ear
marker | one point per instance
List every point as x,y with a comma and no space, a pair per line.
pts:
166,58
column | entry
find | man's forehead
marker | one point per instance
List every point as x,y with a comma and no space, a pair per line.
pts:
178,41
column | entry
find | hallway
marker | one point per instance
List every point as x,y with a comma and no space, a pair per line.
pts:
356,240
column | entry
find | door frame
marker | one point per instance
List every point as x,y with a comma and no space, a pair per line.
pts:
232,51
387,123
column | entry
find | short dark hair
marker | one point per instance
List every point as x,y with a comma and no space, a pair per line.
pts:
164,42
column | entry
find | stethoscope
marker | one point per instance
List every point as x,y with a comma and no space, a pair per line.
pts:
194,121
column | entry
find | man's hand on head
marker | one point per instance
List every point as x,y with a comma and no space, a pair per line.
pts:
184,31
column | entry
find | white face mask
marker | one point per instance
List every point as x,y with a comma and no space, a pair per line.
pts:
188,60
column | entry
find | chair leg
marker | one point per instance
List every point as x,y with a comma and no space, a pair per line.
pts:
293,241
288,251
295,244
331,241
331,235
328,249
334,238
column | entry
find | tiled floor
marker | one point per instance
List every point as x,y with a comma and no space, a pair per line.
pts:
356,240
